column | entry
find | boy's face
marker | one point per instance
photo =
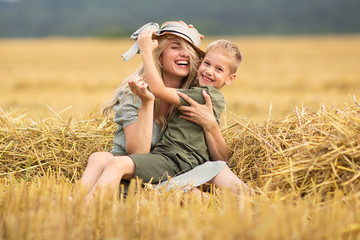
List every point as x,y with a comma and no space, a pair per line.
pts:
214,70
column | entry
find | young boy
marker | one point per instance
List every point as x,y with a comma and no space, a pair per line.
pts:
183,145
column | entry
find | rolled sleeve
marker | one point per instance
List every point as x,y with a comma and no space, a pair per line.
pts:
127,110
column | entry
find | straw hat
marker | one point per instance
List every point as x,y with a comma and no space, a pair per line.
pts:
180,29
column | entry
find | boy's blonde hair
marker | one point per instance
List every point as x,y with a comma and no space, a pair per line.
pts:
187,82
228,49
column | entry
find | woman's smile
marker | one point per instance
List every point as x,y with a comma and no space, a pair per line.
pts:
182,62
176,54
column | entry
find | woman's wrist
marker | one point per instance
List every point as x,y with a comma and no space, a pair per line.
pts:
146,53
147,102
211,125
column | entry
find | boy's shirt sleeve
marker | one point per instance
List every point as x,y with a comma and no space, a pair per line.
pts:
217,98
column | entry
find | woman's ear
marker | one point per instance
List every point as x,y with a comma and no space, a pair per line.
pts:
230,79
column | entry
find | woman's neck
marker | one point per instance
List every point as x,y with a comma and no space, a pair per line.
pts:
164,107
173,82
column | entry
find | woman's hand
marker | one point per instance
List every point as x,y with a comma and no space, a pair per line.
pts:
140,88
201,114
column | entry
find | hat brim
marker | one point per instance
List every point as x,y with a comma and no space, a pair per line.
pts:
201,52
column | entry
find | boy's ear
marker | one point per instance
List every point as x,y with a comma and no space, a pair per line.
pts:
230,79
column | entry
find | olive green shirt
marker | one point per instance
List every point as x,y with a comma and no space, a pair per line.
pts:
184,140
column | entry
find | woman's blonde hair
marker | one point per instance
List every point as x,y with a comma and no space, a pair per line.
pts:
187,82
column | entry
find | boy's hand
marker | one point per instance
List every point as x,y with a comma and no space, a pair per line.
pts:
146,42
192,26
201,114
140,88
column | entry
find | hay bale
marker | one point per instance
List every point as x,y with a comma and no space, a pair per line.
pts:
303,152
36,147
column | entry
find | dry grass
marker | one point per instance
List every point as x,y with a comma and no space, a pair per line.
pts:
283,71
41,210
305,168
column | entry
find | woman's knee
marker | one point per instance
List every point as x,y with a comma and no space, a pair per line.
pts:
100,158
122,164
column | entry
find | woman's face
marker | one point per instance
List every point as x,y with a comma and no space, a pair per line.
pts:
175,59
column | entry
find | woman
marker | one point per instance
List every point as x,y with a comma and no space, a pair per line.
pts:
177,61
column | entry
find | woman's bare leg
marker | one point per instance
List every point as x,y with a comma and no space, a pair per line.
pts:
117,168
95,167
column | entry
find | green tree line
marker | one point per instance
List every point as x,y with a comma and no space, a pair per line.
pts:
113,18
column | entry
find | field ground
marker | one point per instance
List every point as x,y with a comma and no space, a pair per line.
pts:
281,72
302,162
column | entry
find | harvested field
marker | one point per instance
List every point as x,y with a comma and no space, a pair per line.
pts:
292,128
304,168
